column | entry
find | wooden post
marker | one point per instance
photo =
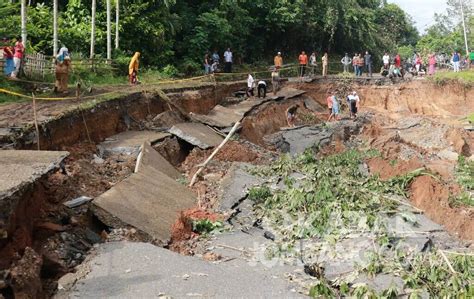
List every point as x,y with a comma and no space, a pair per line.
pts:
36,121
203,165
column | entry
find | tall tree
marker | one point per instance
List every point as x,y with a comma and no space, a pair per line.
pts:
109,33
55,27
23,22
93,8
117,16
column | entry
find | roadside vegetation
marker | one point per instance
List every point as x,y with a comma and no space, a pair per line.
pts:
331,200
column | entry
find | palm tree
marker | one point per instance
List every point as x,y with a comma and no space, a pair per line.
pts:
55,27
109,36
23,21
117,15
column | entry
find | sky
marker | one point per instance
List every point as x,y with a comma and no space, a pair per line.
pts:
422,11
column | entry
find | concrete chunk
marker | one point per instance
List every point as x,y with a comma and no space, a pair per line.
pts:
129,142
197,134
148,200
150,157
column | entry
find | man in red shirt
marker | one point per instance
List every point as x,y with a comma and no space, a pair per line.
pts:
18,56
303,59
398,61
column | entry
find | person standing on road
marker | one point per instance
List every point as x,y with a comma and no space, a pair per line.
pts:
346,61
368,63
275,80
360,62
303,60
313,63
432,64
8,53
325,61
278,61
262,88
386,61
18,56
456,60
133,68
355,64
228,61
250,85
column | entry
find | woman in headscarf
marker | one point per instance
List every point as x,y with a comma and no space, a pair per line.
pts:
133,68
62,74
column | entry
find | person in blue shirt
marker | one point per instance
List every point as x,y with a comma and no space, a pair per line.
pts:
456,60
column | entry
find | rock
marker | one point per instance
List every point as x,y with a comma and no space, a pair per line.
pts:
77,201
97,160
168,119
67,281
197,134
92,237
25,275
212,177
448,155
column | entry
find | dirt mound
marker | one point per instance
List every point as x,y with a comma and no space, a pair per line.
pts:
182,235
389,169
432,197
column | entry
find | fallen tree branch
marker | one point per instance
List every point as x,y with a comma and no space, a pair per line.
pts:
202,166
447,261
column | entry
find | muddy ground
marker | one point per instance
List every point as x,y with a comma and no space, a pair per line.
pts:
412,124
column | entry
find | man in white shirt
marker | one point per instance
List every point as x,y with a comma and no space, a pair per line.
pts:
228,61
250,83
386,60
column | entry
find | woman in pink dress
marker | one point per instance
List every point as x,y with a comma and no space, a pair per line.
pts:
432,64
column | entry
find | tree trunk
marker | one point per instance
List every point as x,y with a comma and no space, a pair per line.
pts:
23,22
109,36
55,27
93,29
117,18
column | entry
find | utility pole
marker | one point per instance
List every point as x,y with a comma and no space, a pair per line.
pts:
93,29
464,27
55,27
23,22
109,36
117,16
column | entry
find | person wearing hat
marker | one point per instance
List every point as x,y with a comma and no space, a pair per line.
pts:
8,51
278,61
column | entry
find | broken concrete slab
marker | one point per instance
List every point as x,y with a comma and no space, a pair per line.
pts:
20,172
289,93
141,270
148,200
77,201
129,142
197,134
313,105
296,141
20,168
235,185
149,157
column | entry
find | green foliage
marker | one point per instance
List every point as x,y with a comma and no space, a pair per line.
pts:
465,173
321,290
259,194
206,226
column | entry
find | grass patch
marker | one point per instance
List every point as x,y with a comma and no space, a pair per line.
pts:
11,86
464,77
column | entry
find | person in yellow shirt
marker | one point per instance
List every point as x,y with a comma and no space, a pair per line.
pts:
133,68
278,61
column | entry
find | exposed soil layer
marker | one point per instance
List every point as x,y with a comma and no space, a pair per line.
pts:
271,117
432,197
389,169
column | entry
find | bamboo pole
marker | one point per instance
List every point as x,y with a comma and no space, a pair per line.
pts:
36,121
203,165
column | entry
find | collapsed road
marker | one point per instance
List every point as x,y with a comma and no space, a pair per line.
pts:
358,207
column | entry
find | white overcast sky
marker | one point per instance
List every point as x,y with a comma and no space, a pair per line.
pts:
422,11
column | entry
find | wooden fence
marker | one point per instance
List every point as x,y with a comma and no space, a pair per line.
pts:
38,66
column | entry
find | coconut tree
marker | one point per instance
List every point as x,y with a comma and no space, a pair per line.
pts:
117,16
94,4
